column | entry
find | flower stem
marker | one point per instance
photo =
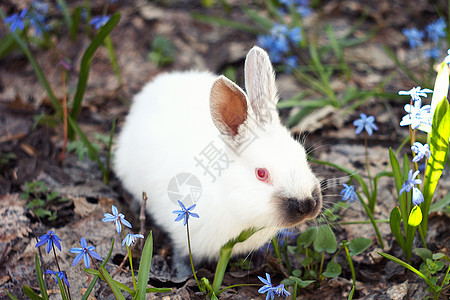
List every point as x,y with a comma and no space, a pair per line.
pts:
66,288
190,254
319,274
352,269
101,272
131,262
366,152
372,220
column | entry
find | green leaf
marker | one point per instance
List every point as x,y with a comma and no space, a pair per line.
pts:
440,204
297,273
144,268
120,285
86,63
401,65
358,245
424,253
262,22
65,11
438,141
395,223
307,237
307,261
30,293
112,284
6,45
325,240
398,179
301,283
10,295
440,86
409,267
243,236
75,22
40,278
436,256
158,290
333,270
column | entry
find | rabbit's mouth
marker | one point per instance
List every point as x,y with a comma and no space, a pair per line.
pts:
294,210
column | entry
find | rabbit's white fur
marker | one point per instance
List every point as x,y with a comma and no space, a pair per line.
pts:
175,117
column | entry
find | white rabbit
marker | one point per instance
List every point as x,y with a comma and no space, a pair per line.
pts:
252,173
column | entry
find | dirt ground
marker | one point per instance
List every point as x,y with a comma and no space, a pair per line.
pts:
328,133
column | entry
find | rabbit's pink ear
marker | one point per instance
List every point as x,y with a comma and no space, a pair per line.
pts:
228,105
260,85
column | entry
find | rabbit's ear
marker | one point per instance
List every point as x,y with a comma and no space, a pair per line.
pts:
260,85
228,105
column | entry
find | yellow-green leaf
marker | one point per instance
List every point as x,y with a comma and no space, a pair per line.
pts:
440,92
415,217
440,86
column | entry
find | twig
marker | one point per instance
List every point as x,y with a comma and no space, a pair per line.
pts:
63,152
142,218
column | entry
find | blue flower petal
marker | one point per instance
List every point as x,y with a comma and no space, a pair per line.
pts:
77,258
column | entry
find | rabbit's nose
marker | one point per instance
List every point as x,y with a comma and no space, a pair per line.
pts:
296,210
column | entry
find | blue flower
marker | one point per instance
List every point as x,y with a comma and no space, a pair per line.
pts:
416,115
436,30
304,11
185,213
118,219
291,63
131,239
414,36
283,235
417,196
421,151
348,193
50,238
366,123
40,7
277,41
301,6
447,58
36,17
276,46
416,93
267,287
59,274
84,252
295,35
281,291
16,21
270,289
99,21
410,182
432,53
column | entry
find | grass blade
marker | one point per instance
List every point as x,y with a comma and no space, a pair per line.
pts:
86,63
409,267
40,278
144,268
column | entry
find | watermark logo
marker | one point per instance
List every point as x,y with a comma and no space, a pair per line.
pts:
213,161
184,187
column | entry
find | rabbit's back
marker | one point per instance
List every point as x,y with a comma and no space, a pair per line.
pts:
168,124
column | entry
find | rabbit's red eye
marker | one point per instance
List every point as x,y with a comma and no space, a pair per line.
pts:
262,174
